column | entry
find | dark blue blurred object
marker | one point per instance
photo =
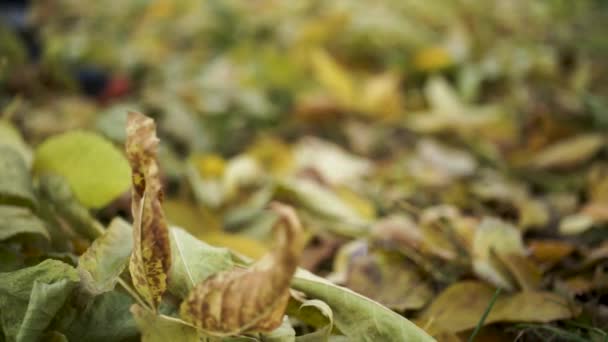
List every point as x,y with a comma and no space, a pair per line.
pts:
92,80
13,15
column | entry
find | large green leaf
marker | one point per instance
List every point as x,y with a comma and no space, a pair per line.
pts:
156,328
193,261
28,293
359,318
105,318
18,220
15,181
102,263
10,136
45,302
94,168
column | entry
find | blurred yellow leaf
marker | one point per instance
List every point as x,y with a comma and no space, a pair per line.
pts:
210,165
333,77
460,306
432,59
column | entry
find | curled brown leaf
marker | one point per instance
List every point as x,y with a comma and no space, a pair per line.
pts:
254,299
151,258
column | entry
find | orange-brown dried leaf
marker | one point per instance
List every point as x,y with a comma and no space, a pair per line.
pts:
254,299
151,258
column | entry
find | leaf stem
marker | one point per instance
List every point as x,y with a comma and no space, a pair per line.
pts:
134,294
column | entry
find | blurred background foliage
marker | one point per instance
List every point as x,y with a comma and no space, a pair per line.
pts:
425,143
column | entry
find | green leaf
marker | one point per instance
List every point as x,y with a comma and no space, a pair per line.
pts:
323,333
57,199
24,294
16,220
102,263
193,261
94,168
105,318
359,318
15,181
10,136
45,302
156,328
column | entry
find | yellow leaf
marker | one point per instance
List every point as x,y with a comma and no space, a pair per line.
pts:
151,258
333,77
459,307
210,165
381,96
248,300
432,59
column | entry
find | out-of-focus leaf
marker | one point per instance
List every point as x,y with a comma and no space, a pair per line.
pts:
532,213
459,307
437,165
448,113
492,237
376,276
525,272
568,153
193,261
325,203
254,299
151,258
236,242
57,193
105,318
96,170
550,251
575,224
333,77
10,136
274,154
102,263
323,333
334,165
17,220
432,59
359,318
34,295
155,328
380,96
15,181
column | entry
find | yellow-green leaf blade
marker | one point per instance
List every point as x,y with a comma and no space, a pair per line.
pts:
96,170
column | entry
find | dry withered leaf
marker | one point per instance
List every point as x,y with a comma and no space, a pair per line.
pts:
459,307
151,258
254,299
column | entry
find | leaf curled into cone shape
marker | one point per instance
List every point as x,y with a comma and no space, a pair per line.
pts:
254,299
151,258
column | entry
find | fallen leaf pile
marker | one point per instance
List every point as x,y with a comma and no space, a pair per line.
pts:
305,171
